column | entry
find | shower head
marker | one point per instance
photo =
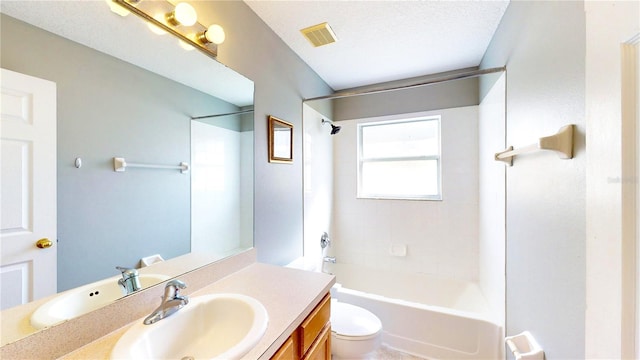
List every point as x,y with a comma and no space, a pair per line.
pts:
334,128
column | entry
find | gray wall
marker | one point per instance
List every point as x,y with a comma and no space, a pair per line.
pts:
109,108
438,96
282,80
543,47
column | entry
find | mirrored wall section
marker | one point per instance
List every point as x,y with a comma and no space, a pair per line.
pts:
110,108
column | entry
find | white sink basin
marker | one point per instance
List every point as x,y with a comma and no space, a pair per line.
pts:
81,300
218,326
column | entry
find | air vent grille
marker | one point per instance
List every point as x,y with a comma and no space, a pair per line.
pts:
319,35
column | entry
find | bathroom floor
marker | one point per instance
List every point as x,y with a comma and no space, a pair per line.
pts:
386,353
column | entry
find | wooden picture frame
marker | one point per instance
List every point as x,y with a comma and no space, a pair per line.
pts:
280,140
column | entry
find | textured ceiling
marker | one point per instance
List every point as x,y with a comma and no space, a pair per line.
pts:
92,24
381,41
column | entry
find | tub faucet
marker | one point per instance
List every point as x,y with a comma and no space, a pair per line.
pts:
171,302
329,259
130,281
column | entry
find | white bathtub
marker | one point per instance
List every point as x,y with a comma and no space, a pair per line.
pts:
422,315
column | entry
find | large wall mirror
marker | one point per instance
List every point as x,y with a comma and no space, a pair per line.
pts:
123,91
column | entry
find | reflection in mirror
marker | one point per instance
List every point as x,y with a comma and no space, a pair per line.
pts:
280,141
107,108
222,182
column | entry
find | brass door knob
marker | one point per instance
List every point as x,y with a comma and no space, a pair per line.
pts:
44,243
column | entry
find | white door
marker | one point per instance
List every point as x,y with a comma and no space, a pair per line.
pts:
28,189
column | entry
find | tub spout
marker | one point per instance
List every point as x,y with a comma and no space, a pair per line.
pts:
329,259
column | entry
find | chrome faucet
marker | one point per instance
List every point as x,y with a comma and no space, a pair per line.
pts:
329,259
171,302
130,281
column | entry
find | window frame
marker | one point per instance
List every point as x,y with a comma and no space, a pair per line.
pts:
361,160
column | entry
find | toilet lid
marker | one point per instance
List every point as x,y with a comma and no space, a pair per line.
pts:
351,320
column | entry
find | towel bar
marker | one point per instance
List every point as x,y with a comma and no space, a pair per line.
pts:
561,142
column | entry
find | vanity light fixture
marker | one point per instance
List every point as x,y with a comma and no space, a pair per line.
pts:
213,34
180,20
183,14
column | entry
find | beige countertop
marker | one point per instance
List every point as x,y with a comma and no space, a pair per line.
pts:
289,295
15,324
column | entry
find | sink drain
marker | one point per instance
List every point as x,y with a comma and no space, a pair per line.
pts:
188,358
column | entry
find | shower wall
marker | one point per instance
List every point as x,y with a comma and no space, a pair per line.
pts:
318,180
492,219
441,236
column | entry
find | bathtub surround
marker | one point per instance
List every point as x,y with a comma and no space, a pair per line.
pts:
441,237
421,238
318,182
491,196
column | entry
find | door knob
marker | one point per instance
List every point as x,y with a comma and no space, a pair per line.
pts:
44,243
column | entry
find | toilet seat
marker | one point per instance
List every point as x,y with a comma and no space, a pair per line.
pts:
354,338
353,323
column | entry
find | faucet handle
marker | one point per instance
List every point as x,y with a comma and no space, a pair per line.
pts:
127,272
178,284
172,289
130,281
325,240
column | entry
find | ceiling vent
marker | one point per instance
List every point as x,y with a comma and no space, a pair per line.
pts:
320,34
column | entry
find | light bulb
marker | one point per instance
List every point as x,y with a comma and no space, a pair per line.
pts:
215,34
183,14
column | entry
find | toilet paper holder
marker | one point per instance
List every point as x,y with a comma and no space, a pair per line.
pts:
525,347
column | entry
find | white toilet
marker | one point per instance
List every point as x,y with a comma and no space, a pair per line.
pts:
355,332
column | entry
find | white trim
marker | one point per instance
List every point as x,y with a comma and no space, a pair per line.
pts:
631,71
361,159
629,185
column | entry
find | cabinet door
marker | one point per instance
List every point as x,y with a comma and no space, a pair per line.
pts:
312,339
314,324
321,349
286,352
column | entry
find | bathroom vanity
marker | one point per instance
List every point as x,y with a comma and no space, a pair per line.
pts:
297,303
312,339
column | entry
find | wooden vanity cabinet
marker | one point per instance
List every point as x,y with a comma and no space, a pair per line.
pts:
312,339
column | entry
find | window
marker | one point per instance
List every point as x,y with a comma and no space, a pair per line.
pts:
400,159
